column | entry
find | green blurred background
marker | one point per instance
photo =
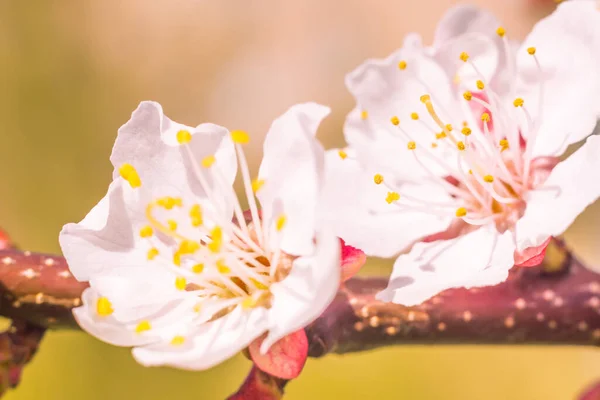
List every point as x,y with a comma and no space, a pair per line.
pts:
72,71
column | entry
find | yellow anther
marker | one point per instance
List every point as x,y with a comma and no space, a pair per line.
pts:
467,95
169,202
503,144
378,179
177,259
152,253
466,131
342,154
518,102
146,231
172,225
129,173
188,247
460,145
464,56
488,178
465,123
425,98
470,172
222,268
184,136
216,234
196,215
440,135
364,114
480,84
198,307
104,307
208,161
395,120
257,184
259,285
414,116
449,127
485,117
500,31
434,145
198,268
180,283
461,212
249,302
531,50
178,340
280,223
143,326
240,137
402,65
392,197
411,145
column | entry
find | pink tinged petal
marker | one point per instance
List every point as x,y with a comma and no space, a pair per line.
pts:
467,28
207,345
567,44
383,91
572,185
292,169
531,256
479,258
305,293
352,260
356,209
285,359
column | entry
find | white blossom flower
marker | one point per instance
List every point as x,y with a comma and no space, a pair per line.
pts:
457,145
176,269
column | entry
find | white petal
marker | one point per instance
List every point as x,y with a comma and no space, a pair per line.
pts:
292,168
210,344
356,209
305,293
384,91
572,186
467,28
479,258
568,49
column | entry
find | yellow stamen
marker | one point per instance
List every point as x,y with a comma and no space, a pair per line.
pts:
503,144
440,135
240,137
461,212
342,154
449,127
402,65
180,283
392,196
177,258
184,136
280,223
464,56
196,215
460,145
467,95
249,302
178,340
364,114
104,307
434,145
411,145
188,247
531,50
488,178
172,225
222,268
518,102
425,98
146,232
198,307
143,326
169,202
129,173
208,161
258,285
198,268
500,31
414,116
378,178
257,184
480,85
152,253
216,234
466,131
485,117
395,120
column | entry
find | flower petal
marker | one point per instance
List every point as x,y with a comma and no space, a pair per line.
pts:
292,169
210,344
572,185
356,209
479,258
305,293
352,260
285,359
567,44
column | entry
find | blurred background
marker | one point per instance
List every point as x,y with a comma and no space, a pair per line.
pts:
72,71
